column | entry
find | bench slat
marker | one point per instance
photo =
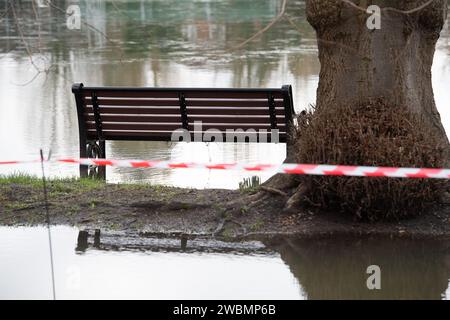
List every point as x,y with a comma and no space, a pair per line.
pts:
177,118
232,111
87,93
134,102
232,103
232,94
134,110
136,126
189,102
154,135
174,126
189,93
190,110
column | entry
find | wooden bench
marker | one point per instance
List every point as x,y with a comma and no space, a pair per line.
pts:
153,114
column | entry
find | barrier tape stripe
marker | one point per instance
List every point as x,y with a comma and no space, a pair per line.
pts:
288,168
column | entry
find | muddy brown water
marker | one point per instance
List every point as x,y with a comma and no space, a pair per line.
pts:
162,43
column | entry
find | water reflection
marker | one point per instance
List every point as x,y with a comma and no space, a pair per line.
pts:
324,268
88,240
336,269
153,43
119,265
135,272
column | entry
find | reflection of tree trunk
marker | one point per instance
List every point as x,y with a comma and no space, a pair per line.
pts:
394,63
336,269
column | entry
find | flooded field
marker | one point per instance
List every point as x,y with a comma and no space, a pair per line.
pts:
174,43
137,267
155,43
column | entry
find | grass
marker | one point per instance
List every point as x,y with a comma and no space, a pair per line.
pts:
22,178
17,205
61,186
19,191
250,184
55,185
257,225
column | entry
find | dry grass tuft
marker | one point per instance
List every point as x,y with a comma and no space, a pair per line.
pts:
374,134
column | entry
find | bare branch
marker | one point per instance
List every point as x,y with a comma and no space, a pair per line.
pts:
92,28
327,42
260,32
22,38
423,6
116,7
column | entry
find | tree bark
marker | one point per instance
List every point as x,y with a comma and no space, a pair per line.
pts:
392,63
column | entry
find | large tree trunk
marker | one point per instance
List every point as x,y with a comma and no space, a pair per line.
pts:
364,75
392,63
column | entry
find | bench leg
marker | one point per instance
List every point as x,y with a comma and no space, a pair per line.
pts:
94,150
102,169
84,171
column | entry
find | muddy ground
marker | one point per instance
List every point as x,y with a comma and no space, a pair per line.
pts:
218,213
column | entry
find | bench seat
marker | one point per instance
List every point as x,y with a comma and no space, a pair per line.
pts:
154,114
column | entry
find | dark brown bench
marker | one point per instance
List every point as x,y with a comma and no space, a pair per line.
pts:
154,114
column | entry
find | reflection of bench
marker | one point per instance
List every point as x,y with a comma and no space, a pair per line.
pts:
156,242
154,114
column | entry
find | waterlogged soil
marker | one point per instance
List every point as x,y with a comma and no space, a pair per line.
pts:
218,213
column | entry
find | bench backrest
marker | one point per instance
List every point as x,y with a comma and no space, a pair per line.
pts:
152,114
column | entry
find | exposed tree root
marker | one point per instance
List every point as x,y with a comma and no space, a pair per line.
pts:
296,199
274,191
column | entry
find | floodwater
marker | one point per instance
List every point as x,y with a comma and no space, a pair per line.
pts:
179,43
154,43
132,267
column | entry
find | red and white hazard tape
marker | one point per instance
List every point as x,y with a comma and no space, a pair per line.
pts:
288,168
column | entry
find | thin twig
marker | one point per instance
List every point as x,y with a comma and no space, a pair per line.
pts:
423,6
6,11
47,215
267,27
114,4
327,42
36,15
22,37
91,27
27,47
